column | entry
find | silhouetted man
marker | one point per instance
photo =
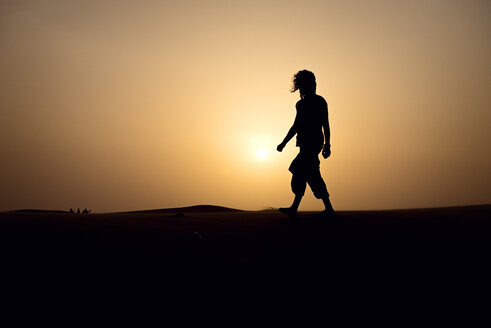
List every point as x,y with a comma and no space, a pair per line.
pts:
311,119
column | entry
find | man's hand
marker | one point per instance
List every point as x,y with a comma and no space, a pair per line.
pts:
326,151
280,147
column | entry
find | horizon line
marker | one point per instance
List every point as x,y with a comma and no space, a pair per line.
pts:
225,208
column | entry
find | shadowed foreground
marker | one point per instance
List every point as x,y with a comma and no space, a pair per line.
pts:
440,249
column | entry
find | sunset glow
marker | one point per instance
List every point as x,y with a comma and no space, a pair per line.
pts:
261,153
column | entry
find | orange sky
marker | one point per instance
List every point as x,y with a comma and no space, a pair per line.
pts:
120,105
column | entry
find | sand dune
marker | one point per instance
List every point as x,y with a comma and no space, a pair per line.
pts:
30,210
409,249
188,209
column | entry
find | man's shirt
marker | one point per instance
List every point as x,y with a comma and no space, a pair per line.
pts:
311,116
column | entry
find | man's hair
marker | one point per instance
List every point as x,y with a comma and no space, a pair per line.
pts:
305,82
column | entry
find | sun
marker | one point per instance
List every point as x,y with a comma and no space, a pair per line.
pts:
261,153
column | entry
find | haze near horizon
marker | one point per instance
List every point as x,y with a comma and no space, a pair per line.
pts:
129,105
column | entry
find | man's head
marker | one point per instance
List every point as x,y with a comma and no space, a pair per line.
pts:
304,81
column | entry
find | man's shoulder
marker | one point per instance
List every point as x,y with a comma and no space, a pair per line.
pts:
299,104
321,99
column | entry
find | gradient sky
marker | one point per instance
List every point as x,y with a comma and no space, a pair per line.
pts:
120,105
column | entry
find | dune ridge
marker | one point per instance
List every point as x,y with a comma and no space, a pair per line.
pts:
189,209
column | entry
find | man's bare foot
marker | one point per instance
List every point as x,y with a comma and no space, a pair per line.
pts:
288,211
324,214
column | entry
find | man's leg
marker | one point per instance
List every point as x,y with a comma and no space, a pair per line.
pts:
299,184
319,189
327,204
296,202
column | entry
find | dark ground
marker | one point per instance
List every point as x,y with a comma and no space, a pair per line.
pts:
433,254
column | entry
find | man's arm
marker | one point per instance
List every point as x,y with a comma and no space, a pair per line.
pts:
291,133
326,151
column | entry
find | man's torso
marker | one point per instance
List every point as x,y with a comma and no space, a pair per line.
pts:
311,115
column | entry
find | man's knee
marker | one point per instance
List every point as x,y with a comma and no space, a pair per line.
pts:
298,185
320,193
318,187
299,190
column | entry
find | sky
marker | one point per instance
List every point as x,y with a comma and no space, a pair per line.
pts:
126,105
